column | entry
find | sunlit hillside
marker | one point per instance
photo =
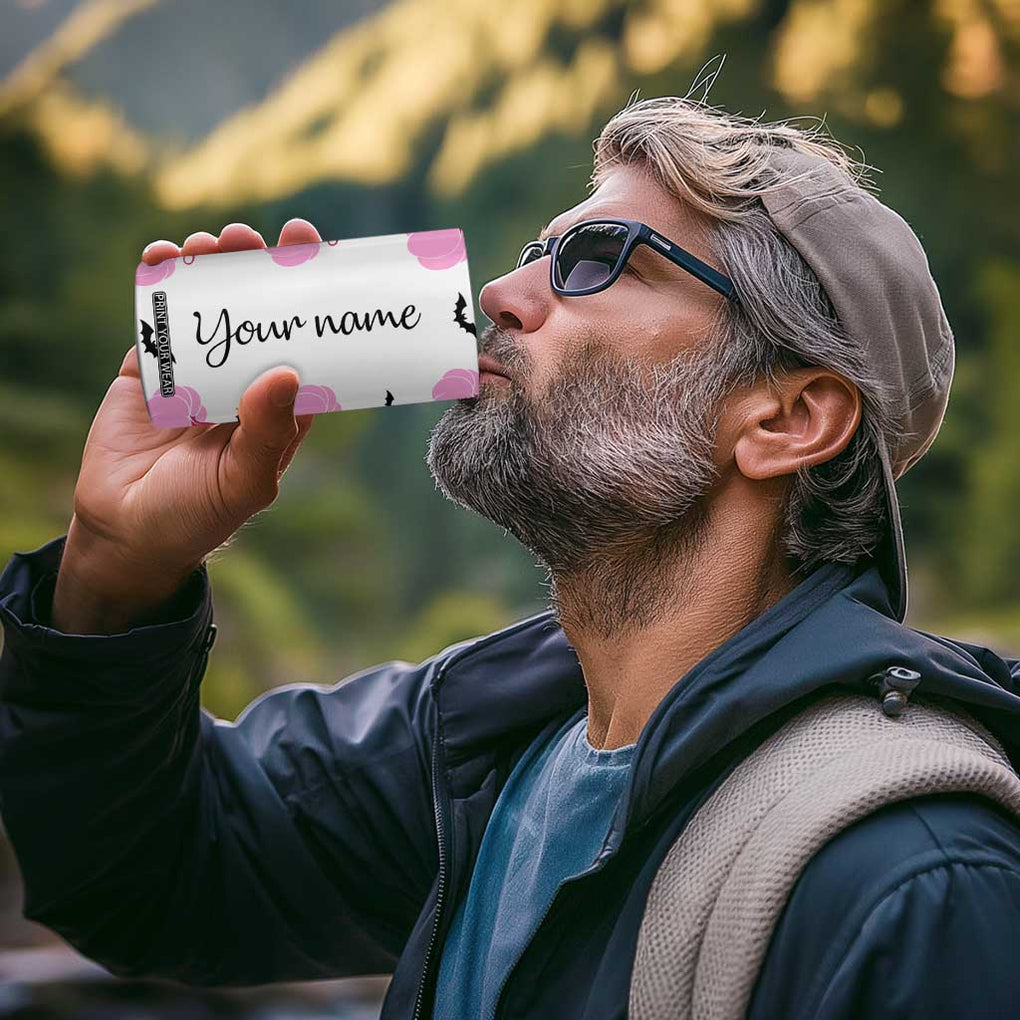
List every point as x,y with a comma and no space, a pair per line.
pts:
473,82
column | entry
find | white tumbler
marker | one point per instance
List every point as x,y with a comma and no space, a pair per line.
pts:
366,322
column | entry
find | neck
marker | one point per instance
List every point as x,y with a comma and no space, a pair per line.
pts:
644,615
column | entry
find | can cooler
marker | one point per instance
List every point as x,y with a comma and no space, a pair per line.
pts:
366,322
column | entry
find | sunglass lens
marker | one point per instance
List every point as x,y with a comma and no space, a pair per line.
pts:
589,254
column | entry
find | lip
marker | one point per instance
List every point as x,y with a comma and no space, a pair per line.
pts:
486,364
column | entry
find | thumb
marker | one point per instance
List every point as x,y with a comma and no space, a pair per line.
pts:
266,431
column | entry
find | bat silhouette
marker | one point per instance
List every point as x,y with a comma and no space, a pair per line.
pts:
458,316
389,398
147,345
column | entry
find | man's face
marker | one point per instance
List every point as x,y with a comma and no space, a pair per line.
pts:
601,441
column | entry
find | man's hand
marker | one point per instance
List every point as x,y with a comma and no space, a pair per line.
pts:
151,503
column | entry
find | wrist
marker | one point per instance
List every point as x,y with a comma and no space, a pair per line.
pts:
100,590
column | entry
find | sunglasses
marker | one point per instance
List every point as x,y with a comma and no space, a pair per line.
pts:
590,256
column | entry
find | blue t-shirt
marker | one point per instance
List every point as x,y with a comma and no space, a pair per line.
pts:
548,823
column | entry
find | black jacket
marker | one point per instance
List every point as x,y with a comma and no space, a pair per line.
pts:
331,830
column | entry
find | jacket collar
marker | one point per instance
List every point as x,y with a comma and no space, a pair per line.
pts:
835,629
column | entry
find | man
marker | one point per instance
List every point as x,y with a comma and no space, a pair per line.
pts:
711,380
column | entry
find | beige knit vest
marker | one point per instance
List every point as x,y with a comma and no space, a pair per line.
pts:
719,892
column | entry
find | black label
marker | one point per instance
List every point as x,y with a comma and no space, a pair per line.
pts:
163,353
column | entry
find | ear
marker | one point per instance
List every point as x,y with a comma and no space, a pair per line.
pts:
808,419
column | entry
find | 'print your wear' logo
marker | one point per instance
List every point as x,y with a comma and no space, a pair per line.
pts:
159,347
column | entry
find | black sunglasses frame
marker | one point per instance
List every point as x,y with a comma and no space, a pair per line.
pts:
637,233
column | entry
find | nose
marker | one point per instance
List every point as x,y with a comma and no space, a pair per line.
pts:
518,299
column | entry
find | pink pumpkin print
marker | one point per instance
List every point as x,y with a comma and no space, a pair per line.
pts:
312,399
293,254
455,383
182,409
437,249
146,275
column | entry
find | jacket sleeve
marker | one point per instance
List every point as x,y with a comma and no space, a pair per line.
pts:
296,843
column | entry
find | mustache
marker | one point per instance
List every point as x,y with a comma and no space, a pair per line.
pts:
496,342
499,345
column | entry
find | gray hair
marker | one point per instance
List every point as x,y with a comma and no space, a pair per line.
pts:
717,163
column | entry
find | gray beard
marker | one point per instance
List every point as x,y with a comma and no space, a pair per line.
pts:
603,477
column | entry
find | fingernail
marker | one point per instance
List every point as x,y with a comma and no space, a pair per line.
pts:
284,391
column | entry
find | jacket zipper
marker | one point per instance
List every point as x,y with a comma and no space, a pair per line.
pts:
459,653
442,872
198,675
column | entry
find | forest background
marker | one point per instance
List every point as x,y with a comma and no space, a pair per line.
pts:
125,122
